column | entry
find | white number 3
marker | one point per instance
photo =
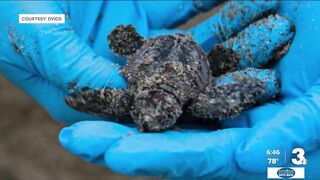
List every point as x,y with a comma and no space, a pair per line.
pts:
300,159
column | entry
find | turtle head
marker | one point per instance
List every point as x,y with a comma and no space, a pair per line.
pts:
155,110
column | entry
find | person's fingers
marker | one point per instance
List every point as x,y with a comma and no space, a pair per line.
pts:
259,44
299,68
296,122
269,78
262,111
49,96
90,139
250,117
168,154
231,19
53,51
177,154
155,33
295,125
176,12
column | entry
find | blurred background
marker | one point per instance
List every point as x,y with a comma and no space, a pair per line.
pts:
29,147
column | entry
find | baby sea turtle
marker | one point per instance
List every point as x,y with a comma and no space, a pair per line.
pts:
170,75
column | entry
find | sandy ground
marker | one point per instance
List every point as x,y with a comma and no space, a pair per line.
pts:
29,148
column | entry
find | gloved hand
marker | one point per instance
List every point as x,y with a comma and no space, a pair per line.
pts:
237,153
45,60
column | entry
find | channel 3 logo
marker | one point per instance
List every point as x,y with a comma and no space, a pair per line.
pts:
298,158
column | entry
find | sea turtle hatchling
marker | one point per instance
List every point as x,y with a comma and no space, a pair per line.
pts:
170,75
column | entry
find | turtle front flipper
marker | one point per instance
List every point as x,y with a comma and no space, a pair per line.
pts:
124,40
101,102
231,94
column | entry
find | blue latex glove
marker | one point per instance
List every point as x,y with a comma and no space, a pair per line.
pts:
45,59
236,153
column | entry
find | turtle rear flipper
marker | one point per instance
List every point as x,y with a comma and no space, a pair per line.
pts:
228,100
101,102
124,40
